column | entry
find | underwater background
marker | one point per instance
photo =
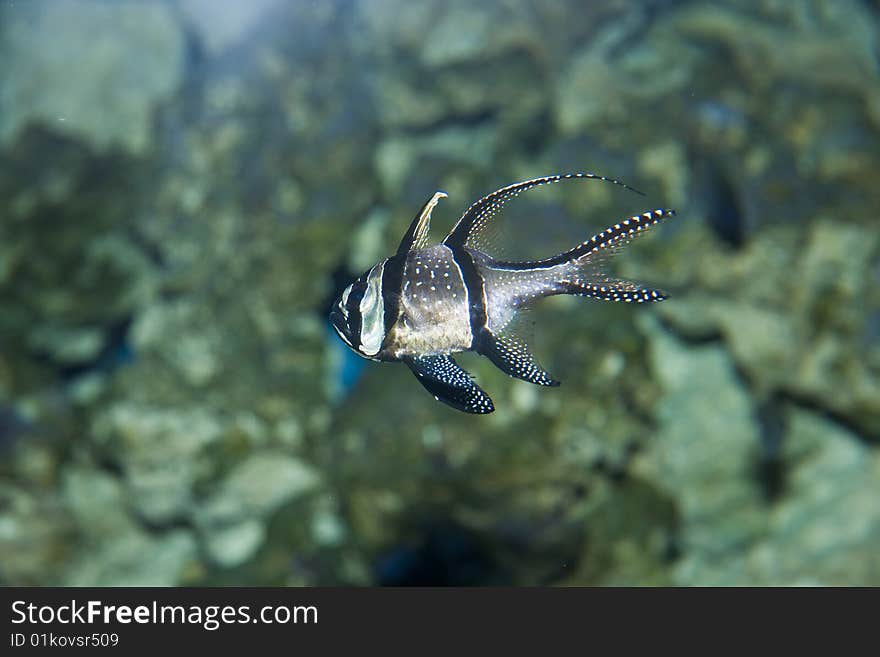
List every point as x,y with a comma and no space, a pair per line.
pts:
185,186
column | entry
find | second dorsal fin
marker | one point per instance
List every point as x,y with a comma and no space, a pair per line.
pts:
513,357
416,237
477,216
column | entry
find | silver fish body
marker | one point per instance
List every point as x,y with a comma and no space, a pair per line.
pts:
426,303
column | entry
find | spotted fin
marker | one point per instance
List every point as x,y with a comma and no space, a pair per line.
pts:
475,219
602,245
612,290
512,357
450,384
619,235
416,236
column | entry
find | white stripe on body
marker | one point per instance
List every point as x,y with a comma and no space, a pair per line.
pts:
372,309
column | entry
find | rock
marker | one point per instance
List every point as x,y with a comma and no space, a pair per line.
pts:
111,44
134,559
67,345
795,319
96,501
34,538
232,522
230,546
161,452
706,434
706,454
74,274
264,481
829,507
399,159
223,30
803,52
195,354
593,91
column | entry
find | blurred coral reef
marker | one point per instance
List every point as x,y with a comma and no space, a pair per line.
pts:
185,185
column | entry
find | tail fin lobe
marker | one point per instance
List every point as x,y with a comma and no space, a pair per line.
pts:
619,235
612,290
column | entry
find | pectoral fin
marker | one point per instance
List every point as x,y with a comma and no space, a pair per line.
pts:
450,384
512,357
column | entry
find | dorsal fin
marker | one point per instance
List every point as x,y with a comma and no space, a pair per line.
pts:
416,236
478,215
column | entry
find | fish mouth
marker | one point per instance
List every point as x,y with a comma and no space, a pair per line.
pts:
339,324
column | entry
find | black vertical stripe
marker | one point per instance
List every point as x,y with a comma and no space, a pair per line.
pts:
353,306
392,289
474,284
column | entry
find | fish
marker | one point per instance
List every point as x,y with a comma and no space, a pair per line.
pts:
426,303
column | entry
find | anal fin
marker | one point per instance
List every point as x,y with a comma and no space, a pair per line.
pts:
450,384
512,357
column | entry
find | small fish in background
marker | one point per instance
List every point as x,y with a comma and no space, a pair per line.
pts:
426,303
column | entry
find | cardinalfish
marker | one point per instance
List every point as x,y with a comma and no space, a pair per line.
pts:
426,303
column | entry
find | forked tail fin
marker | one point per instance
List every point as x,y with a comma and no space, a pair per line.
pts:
582,271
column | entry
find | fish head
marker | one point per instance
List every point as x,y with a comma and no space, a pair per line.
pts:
345,314
358,314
